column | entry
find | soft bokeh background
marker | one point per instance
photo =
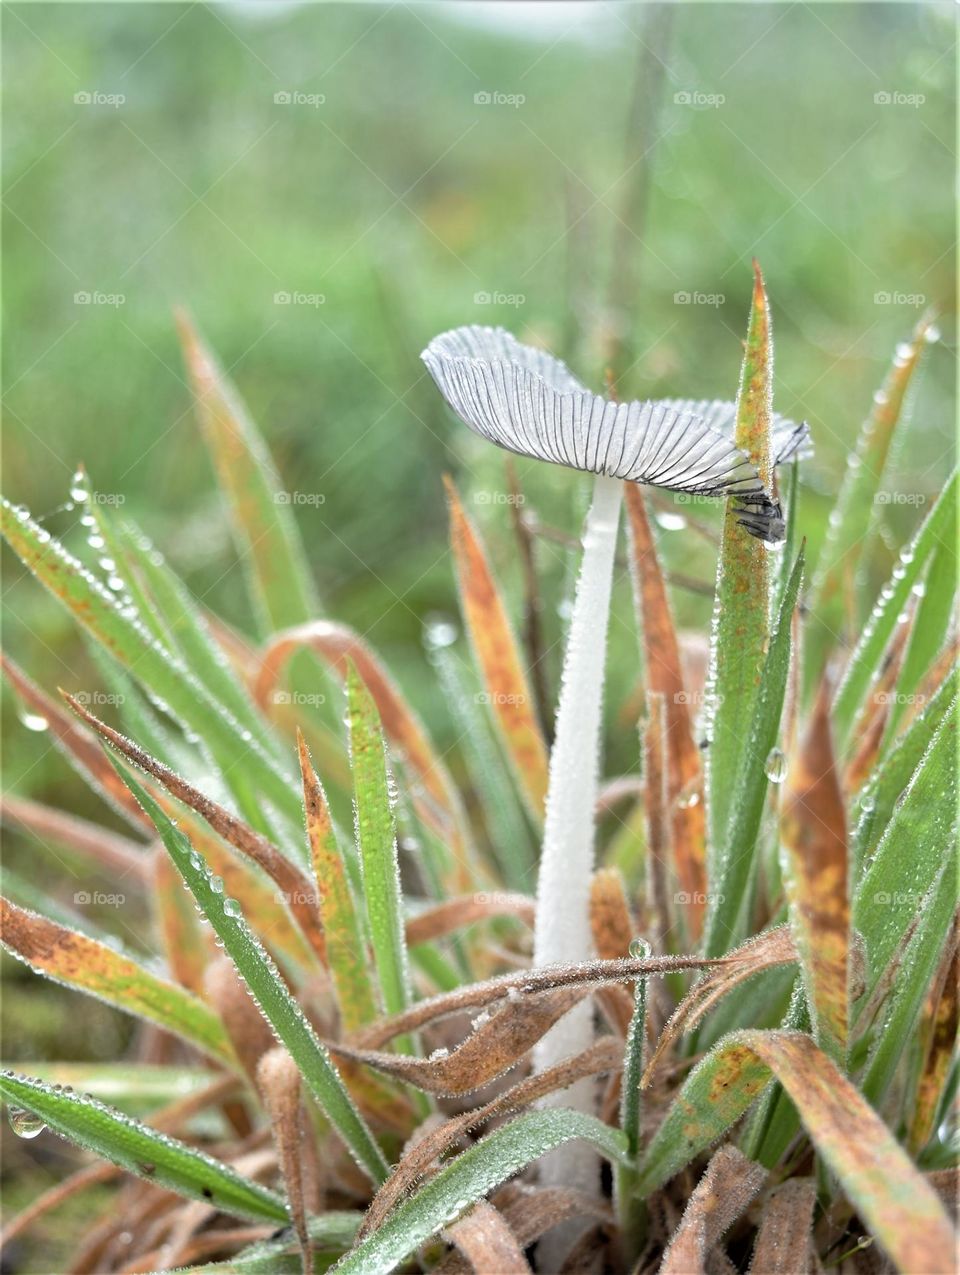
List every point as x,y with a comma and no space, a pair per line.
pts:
320,241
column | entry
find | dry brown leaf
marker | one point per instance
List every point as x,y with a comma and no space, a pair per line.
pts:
610,920
729,1183
185,946
294,886
585,974
656,804
605,1055
278,1079
109,851
773,947
485,1239
938,1038
783,1244
813,834
664,673
453,914
493,1048
249,1032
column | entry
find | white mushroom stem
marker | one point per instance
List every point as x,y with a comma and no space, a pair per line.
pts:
562,932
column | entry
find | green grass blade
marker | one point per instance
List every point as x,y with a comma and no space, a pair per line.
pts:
268,989
143,1151
345,944
742,608
900,1208
629,1206
910,853
836,572
245,767
902,1012
264,527
890,780
377,838
469,1177
330,1234
136,1090
734,863
865,662
77,961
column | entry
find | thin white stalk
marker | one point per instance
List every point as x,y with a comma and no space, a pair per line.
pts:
562,931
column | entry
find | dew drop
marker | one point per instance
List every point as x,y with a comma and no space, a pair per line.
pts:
639,949
670,521
232,908
34,721
439,632
24,1123
932,334
776,766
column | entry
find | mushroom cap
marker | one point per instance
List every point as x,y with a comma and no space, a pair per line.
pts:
525,400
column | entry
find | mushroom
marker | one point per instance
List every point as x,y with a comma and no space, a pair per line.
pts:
525,400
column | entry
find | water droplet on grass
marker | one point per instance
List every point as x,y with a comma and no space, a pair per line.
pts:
776,766
24,1123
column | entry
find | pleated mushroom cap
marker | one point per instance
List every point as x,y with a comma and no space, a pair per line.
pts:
526,401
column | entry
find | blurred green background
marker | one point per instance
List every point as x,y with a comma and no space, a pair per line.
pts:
327,186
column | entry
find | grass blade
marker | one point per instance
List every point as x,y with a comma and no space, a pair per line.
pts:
900,1208
69,957
469,1177
733,861
265,531
346,947
498,657
269,991
837,569
664,675
143,1151
245,767
377,838
741,612
813,839
865,663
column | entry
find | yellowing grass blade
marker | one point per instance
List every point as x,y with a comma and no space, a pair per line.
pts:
892,1197
265,531
741,623
81,962
433,790
664,674
498,657
813,837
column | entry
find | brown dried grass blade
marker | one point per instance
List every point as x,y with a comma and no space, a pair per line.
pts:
453,914
278,1079
613,929
606,1055
774,947
489,1051
247,1028
938,1037
338,646
813,834
728,1185
109,851
294,886
498,657
657,820
784,1241
485,1239
184,944
585,974
664,673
